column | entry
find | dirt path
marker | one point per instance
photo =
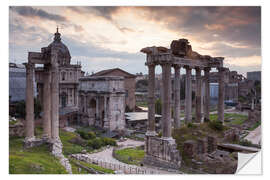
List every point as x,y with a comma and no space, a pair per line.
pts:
254,136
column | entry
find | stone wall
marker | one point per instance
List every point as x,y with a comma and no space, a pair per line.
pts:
206,145
16,130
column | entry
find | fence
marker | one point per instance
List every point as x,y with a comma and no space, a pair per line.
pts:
126,169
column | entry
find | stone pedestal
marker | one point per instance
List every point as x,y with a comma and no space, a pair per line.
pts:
162,152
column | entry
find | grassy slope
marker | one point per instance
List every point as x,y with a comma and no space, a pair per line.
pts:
36,160
235,119
130,155
69,148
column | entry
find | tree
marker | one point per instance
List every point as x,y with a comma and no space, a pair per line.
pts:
20,108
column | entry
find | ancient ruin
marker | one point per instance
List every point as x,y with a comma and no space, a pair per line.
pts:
106,95
162,151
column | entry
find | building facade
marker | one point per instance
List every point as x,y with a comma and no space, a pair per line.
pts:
102,102
129,85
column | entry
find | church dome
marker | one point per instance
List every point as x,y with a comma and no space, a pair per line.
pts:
64,56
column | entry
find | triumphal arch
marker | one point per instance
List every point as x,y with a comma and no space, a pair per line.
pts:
162,151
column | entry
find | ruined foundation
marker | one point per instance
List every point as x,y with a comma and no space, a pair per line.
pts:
162,152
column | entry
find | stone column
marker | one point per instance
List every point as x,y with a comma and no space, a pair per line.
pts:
151,100
47,103
198,95
29,131
221,94
188,96
166,106
177,96
55,97
207,93
105,112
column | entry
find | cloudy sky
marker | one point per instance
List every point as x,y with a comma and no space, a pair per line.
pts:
109,37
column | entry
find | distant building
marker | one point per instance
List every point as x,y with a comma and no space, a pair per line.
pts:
102,102
129,84
17,82
254,75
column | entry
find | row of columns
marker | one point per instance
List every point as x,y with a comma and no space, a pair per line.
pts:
50,101
166,97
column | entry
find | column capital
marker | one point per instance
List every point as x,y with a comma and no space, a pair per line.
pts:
222,69
29,65
176,66
187,67
207,69
150,64
197,68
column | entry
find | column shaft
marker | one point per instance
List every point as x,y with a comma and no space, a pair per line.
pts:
166,106
47,104
29,134
198,95
55,97
177,103
151,99
221,95
207,94
188,96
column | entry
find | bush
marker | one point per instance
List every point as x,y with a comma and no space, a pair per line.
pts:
216,125
86,135
91,135
97,143
189,125
108,141
245,142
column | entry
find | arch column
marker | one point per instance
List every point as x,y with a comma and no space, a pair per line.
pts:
166,105
198,95
47,103
207,93
29,134
188,96
55,97
177,103
221,94
151,100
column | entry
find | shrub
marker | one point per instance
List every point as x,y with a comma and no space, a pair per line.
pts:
108,141
78,141
245,142
216,125
97,143
91,135
86,135
189,125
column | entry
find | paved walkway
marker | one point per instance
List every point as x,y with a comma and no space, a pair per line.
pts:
255,136
106,155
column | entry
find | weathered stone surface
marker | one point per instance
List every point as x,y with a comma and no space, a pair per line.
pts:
232,135
32,142
189,148
162,153
211,144
16,129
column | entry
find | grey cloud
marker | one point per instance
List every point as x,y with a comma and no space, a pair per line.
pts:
31,12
